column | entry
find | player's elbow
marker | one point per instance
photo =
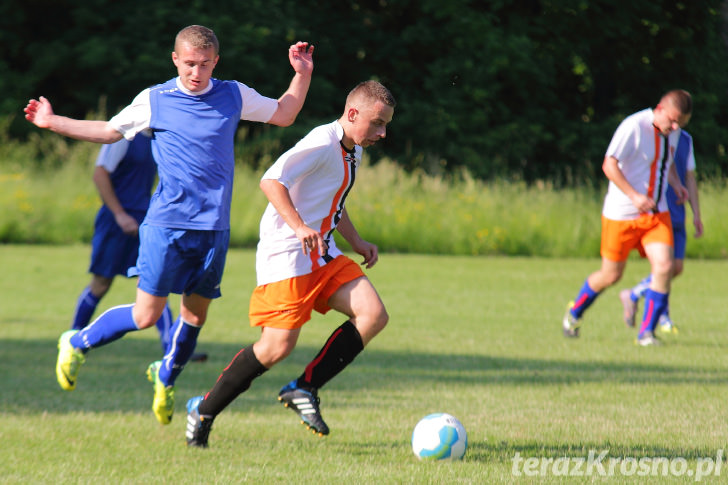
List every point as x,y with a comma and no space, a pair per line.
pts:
283,119
605,166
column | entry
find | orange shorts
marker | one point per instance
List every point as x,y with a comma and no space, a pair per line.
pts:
288,303
621,237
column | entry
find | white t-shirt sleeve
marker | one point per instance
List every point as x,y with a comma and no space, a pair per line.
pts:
624,142
256,107
297,162
691,159
135,117
111,155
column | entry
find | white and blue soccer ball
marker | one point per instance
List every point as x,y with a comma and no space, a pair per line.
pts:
439,436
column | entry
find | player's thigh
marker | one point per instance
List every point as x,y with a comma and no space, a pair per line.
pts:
357,298
660,257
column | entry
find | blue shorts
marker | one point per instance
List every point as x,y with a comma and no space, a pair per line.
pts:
180,261
680,238
112,251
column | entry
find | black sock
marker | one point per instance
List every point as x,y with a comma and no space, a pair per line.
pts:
340,349
234,380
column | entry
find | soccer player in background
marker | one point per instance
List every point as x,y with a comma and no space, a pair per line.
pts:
124,177
685,165
184,236
638,164
300,269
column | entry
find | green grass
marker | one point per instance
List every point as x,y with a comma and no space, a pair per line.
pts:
477,337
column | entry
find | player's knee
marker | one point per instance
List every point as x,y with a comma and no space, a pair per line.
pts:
677,268
612,277
662,268
373,322
143,322
269,355
382,318
99,286
144,319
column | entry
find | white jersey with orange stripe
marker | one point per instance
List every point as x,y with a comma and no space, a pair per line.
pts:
318,173
644,157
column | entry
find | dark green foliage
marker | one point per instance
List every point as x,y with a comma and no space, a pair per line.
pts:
527,90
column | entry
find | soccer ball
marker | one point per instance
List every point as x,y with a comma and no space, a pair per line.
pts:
439,436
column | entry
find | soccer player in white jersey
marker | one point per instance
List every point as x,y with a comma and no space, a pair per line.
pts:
300,269
184,236
685,165
638,164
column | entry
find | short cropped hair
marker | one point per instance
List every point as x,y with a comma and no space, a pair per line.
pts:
680,99
198,37
371,90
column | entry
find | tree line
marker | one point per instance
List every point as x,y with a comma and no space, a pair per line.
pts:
529,90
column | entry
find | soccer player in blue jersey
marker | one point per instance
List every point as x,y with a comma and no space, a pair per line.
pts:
685,165
124,177
184,236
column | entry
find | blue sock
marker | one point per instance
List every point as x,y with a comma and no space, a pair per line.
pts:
85,308
655,305
640,288
584,299
181,346
113,324
164,326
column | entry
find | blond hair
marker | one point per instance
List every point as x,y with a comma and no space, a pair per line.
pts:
198,37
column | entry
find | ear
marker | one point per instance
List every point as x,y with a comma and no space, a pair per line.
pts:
352,114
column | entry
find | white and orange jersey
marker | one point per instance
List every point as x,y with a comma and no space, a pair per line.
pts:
318,173
644,157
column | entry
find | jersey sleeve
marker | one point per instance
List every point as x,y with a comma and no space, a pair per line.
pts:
691,158
135,117
256,107
296,163
111,155
624,141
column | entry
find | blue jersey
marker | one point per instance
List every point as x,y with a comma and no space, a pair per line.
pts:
193,146
682,153
133,177
132,172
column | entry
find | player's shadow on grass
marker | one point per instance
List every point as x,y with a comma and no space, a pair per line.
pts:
113,378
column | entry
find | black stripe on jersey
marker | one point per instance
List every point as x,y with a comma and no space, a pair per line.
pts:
661,178
349,157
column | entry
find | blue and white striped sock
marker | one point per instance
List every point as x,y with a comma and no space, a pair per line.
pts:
85,308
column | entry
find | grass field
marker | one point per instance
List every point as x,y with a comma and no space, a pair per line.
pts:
475,337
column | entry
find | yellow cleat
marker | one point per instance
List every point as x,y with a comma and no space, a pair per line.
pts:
163,404
667,326
69,361
570,324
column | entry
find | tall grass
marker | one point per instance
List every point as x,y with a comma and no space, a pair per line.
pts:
55,202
